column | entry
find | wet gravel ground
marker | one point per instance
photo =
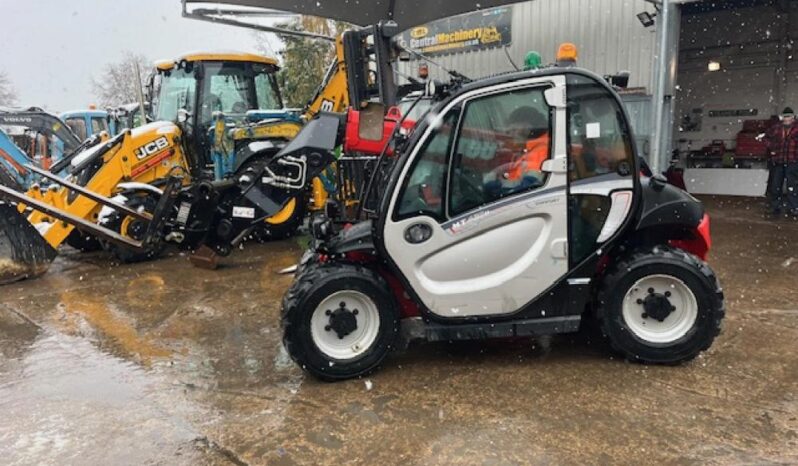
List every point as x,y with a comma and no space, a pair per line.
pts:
162,363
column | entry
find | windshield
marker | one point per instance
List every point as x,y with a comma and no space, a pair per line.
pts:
234,88
176,91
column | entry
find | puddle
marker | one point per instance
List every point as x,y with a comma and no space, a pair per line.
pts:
65,402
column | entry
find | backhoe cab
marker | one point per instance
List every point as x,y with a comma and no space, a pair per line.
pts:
222,101
515,208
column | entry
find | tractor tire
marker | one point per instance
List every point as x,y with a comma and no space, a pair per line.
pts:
289,220
83,242
339,321
132,228
660,305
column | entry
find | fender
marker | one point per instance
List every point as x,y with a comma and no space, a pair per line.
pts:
665,205
265,149
121,196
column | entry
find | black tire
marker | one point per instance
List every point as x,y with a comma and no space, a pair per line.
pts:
309,290
660,260
83,242
115,222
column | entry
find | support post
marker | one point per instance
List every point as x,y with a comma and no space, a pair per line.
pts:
665,69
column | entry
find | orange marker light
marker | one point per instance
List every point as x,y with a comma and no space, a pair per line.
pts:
567,52
92,107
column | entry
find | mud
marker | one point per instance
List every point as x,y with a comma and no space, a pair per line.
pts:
163,363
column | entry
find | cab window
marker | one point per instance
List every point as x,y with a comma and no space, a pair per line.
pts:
98,124
600,140
176,91
266,88
501,146
423,191
229,88
78,126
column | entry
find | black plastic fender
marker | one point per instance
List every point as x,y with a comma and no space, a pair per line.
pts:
263,150
358,237
667,205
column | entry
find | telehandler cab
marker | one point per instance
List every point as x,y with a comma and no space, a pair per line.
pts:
514,209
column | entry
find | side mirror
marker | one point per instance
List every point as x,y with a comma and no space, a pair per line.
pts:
554,166
430,88
183,115
620,79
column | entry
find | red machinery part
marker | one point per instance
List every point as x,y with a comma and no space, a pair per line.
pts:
353,143
700,244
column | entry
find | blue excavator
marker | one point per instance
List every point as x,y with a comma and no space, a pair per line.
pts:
35,144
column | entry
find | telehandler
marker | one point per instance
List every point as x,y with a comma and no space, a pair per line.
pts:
461,249
515,208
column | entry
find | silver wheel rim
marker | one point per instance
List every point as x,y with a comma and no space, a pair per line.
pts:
359,340
676,325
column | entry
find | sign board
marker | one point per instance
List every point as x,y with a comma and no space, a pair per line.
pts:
472,31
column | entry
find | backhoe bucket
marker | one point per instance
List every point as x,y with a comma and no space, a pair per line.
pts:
23,251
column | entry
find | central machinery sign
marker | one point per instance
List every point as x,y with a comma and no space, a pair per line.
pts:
473,31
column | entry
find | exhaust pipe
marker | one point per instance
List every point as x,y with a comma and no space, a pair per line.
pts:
24,253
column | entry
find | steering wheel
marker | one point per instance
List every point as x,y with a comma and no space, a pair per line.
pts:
239,107
470,191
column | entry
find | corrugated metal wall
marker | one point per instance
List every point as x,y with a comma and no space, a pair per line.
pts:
607,33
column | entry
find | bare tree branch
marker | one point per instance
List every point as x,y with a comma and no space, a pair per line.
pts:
116,84
8,95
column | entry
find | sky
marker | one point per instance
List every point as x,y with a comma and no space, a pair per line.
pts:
50,49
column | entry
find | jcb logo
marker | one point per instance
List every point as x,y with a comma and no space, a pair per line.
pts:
419,32
151,148
326,105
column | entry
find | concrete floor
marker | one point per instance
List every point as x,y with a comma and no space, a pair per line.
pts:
162,363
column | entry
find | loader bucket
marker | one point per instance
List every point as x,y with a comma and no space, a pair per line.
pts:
23,251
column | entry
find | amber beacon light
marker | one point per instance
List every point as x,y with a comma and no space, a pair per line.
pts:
567,53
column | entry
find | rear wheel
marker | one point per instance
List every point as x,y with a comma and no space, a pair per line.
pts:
339,321
133,228
660,305
284,223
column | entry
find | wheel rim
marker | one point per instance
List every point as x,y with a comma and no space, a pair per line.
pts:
284,214
331,325
660,309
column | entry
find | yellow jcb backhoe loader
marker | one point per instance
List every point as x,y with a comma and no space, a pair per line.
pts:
259,187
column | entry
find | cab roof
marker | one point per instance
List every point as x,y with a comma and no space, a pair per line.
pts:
165,65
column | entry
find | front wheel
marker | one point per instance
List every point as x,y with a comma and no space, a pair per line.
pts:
339,321
660,305
133,228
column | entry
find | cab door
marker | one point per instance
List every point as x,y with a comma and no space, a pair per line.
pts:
478,226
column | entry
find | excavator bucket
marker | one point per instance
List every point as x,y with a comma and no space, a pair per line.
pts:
23,251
